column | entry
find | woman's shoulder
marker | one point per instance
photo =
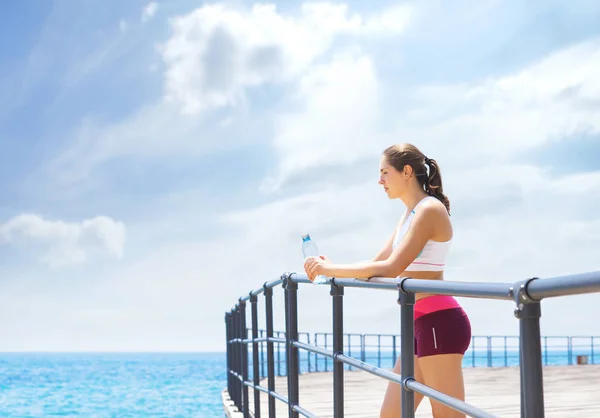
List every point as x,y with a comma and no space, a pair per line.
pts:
432,208
432,203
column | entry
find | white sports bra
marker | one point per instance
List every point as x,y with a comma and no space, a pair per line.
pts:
433,255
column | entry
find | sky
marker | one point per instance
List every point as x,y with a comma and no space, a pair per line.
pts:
160,160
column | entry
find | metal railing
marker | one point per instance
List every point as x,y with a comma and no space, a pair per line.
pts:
383,349
527,296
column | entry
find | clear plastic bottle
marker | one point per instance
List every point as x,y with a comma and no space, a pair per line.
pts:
309,249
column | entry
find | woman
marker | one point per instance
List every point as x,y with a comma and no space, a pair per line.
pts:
417,249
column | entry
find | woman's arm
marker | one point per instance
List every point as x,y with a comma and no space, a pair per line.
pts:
421,230
386,251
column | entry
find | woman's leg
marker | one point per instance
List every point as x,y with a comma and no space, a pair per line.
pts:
444,372
391,407
443,337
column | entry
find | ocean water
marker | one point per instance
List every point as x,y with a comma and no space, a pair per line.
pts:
112,385
180,385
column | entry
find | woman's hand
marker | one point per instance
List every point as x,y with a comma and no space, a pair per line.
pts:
313,266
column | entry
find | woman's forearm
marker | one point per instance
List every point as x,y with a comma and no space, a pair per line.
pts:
361,270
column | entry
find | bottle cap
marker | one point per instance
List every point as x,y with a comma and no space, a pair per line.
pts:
305,237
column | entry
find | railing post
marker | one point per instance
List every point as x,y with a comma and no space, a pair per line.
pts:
291,335
255,363
337,295
316,355
308,354
237,353
326,359
228,350
394,354
363,349
407,349
528,311
244,346
262,356
270,352
349,349
279,350
521,375
379,350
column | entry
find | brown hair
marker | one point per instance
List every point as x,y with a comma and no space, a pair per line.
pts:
401,155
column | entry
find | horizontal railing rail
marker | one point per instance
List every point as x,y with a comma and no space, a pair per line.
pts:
383,349
526,294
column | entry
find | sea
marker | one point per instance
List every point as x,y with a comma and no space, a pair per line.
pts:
170,384
112,385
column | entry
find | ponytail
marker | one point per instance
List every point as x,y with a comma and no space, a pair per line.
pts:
401,155
433,184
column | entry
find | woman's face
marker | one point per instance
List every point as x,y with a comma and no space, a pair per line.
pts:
393,181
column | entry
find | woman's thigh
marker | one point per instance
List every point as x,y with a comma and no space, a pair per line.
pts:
444,373
391,406
442,339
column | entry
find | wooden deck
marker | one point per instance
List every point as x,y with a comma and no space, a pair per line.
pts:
570,391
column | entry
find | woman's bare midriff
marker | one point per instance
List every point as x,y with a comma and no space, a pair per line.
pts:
427,275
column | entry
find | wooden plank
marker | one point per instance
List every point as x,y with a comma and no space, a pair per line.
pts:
570,392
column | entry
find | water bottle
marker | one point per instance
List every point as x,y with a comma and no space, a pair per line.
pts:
309,249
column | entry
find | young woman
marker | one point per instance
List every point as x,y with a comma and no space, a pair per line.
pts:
417,249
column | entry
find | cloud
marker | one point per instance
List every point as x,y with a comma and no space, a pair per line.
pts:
217,52
327,130
320,81
515,112
151,131
66,242
464,123
149,11
214,55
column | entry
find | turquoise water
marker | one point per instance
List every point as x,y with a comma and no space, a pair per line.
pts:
169,385
112,385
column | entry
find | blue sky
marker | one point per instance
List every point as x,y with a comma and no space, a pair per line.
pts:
158,160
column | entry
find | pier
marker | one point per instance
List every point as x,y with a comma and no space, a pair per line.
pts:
495,390
535,387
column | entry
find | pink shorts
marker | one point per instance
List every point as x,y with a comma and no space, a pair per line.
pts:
441,326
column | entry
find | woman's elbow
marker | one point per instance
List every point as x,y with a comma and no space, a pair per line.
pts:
391,270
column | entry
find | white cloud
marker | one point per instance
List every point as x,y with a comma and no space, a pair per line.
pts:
66,242
461,123
217,52
153,130
149,11
329,129
511,220
554,97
